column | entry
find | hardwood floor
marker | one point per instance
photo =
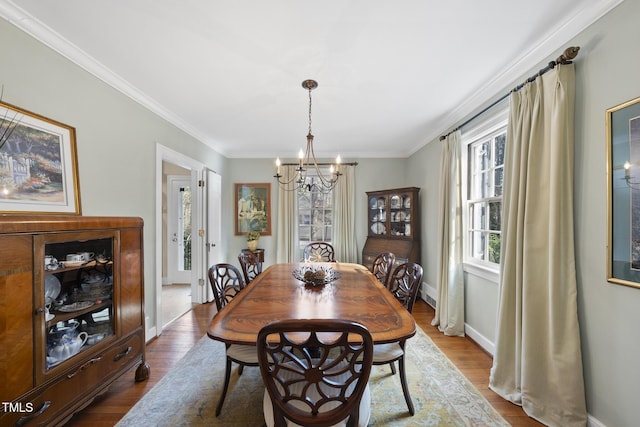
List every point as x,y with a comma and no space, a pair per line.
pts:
181,335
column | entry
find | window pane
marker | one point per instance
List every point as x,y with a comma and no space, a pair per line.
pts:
499,150
494,248
477,216
497,182
495,220
477,245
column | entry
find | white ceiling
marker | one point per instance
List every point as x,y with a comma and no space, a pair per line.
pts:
392,75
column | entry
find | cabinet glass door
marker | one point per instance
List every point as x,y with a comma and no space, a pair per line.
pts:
377,216
400,214
78,284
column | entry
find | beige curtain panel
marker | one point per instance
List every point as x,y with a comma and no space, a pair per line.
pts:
538,362
449,315
287,234
344,228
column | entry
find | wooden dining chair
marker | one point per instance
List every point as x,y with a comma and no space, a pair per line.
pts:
250,264
313,374
319,252
226,282
382,267
404,284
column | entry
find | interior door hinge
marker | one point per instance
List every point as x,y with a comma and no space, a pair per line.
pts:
201,183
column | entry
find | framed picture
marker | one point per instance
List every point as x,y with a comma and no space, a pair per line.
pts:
253,208
38,164
623,193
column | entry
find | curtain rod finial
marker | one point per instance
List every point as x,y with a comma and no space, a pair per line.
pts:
568,54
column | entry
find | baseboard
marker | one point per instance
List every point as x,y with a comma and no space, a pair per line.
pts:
480,339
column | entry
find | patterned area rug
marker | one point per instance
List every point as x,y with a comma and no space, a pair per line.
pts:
188,394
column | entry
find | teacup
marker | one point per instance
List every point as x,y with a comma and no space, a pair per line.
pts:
50,262
87,256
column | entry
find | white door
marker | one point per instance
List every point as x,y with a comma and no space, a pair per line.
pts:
214,228
179,229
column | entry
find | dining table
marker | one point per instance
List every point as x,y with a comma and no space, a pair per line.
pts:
276,294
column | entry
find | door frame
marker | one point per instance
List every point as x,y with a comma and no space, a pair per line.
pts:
167,154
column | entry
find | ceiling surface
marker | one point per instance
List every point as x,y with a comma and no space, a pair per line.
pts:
392,76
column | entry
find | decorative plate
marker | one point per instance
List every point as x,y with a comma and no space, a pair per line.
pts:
52,288
315,275
378,228
76,306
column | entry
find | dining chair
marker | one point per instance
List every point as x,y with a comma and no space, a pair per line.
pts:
319,252
226,282
313,374
382,266
250,264
404,284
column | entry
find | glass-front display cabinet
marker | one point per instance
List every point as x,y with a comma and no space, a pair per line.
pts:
393,222
72,292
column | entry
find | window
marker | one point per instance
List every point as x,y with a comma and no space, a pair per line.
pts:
485,175
315,215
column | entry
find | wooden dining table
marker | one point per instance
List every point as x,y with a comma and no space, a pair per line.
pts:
276,294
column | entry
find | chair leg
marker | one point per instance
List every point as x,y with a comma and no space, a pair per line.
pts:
405,387
240,369
393,368
227,377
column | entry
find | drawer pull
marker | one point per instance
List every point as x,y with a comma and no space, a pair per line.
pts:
121,355
89,362
23,420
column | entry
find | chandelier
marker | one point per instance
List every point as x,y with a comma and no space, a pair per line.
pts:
302,180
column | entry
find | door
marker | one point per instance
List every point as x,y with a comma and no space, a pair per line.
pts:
214,228
179,229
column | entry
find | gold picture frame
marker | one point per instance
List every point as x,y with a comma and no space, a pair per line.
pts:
38,164
253,208
623,193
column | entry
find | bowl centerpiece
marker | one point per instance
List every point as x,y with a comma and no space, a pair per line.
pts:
315,275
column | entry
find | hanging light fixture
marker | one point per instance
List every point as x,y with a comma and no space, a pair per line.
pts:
307,160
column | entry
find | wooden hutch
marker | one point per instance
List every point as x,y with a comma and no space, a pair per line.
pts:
393,223
71,312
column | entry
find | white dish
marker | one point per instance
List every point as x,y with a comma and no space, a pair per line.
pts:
52,288
378,228
73,263
50,316
76,306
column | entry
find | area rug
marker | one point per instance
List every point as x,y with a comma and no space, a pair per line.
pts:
188,394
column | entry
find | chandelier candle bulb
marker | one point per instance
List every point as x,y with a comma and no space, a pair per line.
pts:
627,167
278,163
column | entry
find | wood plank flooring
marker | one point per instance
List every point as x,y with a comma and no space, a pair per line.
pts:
181,335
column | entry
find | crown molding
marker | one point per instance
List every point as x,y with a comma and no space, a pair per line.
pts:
548,46
26,22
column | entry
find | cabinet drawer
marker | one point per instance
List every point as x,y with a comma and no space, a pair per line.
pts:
56,401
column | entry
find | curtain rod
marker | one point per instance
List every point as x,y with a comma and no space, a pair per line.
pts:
566,57
322,164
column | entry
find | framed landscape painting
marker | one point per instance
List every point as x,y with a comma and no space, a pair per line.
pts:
253,208
38,164
623,195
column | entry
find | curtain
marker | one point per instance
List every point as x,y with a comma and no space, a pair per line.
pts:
344,227
538,362
449,315
287,235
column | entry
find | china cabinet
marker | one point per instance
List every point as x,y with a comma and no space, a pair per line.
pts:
71,322
393,223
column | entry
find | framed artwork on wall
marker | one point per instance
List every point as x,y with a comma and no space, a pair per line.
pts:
38,164
623,193
253,208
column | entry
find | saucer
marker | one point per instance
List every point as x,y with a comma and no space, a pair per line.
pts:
50,316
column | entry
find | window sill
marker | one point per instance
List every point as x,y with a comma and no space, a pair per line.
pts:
485,272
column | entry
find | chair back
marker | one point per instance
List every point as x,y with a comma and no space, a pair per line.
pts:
250,264
382,266
226,281
319,252
313,375
405,282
